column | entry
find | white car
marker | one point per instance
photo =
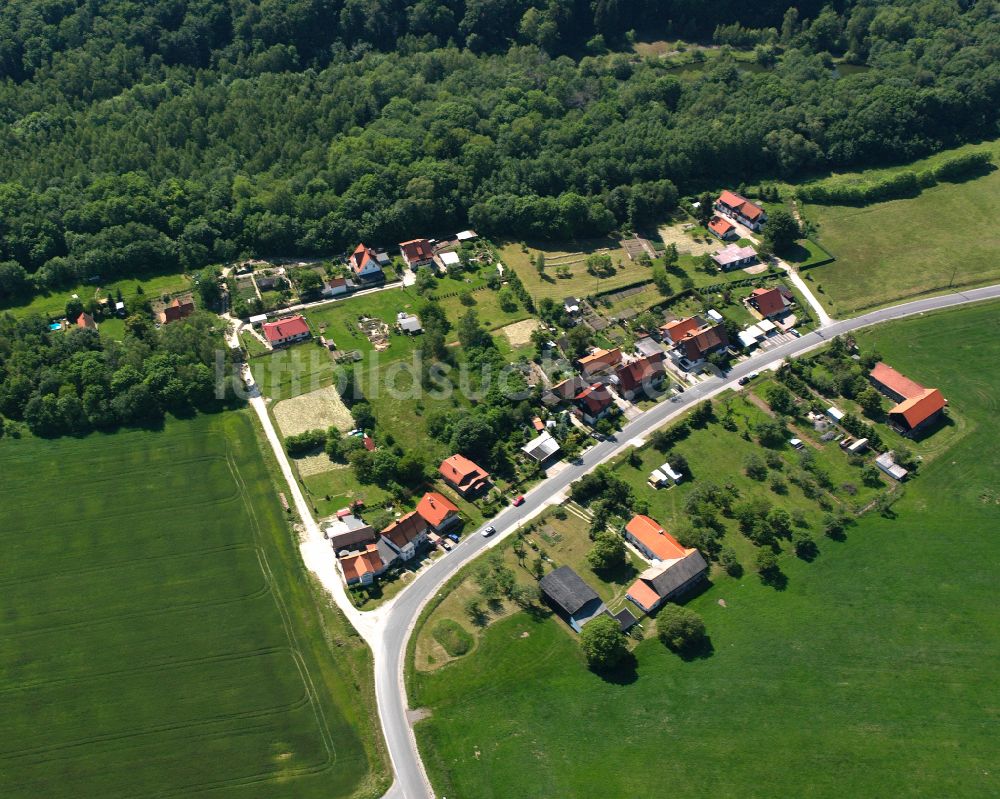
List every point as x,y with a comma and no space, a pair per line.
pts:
488,531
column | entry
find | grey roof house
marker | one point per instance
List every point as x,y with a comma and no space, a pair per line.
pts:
571,597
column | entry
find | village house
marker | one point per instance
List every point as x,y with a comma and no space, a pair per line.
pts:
673,332
641,376
768,303
463,475
438,511
176,310
733,256
721,228
649,537
406,535
669,580
695,347
417,253
365,264
361,567
348,530
86,321
741,209
594,403
570,597
286,331
570,387
599,362
541,448
916,407
335,287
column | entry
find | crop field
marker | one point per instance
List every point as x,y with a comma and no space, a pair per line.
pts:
892,250
159,635
873,671
316,410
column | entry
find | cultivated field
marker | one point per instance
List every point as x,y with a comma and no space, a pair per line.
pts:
159,637
889,251
874,670
316,410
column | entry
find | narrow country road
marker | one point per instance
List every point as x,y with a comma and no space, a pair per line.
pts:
387,629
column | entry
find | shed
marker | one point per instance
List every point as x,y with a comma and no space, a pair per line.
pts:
858,446
542,448
714,315
657,478
467,235
766,326
835,413
886,463
571,597
669,472
450,259
259,319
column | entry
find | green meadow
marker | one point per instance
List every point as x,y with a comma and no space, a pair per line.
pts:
872,673
159,633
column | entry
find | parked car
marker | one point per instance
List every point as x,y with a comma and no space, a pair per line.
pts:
488,531
518,501
453,537
448,546
743,380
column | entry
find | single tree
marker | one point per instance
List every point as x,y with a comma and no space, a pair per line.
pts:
603,643
607,553
679,629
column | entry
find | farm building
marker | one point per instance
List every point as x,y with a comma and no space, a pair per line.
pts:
286,331
463,475
668,580
741,209
347,530
570,597
655,543
916,407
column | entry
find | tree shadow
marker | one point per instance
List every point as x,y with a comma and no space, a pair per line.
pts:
809,554
624,672
774,578
697,650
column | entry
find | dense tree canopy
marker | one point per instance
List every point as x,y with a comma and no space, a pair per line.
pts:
167,134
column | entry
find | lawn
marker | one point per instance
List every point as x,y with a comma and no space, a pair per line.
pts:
890,251
572,255
54,303
160,634
874,671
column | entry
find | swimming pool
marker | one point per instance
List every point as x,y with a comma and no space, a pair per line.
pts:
55,326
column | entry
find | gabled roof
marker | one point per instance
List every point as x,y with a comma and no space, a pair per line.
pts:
564,587
405,529
732,253
697,345
642,592
357,564
736,202
363,258
669,578
416,250
679,328
285,328
896,382
633,375
459,470
721,227
541,448
569,387
435,508
768,301
600,359
177,310
336,282
921,407
85,320
595,398
651,535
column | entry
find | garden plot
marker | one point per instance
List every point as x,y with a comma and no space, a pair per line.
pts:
519,333
686,243
318,409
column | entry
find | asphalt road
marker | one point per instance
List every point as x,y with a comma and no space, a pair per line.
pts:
411,781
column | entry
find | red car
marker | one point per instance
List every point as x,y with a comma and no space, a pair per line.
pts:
519,501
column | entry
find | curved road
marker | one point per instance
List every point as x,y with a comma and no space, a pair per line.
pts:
395,626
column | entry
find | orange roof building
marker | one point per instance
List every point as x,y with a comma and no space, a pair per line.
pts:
722,228
364,263
768,302
463,475
679,328
649,537
916,406
416,252
406,533
600,361
86,321
741,209
176,310
361,567
437,510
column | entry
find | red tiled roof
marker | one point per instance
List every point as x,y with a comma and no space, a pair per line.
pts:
435,508
721,227
696,345
595,398
459,470
369,443
734,201
601,359
768,301
642,593
632,375
679,328
918,409
652,536
361,258
405,529
177,310
569,387
87,321
894,381
538,424
336,282
285,328
357,564
416,250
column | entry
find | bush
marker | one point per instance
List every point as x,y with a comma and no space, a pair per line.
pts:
729,562
765,561
679,629
603,643
755,467
305,442
453,637
805,546
607,553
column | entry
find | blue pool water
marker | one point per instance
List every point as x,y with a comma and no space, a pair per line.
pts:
55,326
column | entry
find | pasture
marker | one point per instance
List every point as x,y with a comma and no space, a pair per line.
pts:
160,636
874,670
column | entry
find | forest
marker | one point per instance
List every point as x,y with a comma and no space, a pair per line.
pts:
165,135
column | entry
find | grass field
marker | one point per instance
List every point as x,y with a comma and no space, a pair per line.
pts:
872,674
54,304
892,250
160,636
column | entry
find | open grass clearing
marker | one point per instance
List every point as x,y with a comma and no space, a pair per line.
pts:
161,635
53,304
320,409
876,664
